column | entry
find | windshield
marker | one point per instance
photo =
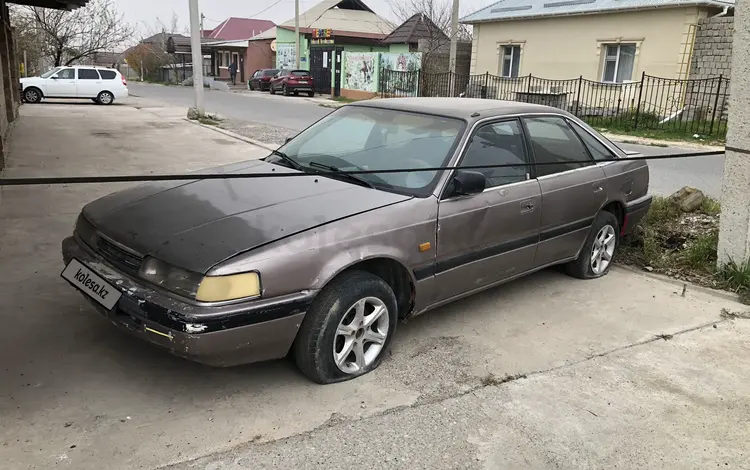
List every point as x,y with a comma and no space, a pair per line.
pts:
51,72
362,138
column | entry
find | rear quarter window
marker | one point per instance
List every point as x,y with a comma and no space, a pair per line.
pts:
108,74
88,74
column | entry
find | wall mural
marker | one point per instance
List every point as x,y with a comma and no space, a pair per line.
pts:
403,84
286,55
361,69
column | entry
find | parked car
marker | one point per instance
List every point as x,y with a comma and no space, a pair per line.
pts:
292,81
261,79
101,85
227,272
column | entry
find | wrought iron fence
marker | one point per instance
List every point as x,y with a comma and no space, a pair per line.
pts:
671,105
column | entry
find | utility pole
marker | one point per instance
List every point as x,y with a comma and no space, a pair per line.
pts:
454,36
25,70
296,31
203,17
197,52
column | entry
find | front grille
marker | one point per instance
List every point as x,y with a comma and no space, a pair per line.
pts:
117,255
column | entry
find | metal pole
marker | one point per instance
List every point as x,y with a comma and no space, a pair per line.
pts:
454,36
296,32
197,52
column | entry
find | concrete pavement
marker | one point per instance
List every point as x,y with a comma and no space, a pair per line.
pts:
602,390
273,118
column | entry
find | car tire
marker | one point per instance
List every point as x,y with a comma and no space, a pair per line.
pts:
311,94
32,95
250,86
295,92
601,243
284,90
272,89
105,98
335,310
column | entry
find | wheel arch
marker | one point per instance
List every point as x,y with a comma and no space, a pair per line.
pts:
392,271
33,87
616,208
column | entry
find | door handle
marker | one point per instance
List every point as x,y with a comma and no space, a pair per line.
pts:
527,206
598,187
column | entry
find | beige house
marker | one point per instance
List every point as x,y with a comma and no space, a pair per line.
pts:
611,41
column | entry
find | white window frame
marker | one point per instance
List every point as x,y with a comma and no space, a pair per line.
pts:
501,45
607,59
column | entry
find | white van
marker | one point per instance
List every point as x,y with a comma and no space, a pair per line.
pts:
102,85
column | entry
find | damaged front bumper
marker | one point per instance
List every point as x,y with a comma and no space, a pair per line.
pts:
224,335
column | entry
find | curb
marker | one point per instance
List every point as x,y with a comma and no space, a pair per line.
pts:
695,287
242,138
627,139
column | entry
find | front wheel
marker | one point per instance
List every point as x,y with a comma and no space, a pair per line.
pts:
32,95
348,328
598,251
250,86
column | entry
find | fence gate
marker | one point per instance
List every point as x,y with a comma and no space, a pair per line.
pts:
321,61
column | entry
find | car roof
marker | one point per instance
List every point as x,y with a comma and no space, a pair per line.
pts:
98,67
462,108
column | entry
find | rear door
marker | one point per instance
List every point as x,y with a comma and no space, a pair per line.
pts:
89,83
491,236
572,193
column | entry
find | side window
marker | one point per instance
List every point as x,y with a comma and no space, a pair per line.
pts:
498,144
555,145
108,74
67,74
88,74
597,149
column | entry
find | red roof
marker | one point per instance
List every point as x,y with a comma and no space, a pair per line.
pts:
234,29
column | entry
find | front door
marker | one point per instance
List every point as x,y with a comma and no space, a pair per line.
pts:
337,65
62,84
573,193
321,60
491,236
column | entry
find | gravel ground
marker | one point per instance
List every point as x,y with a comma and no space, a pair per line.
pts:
257,131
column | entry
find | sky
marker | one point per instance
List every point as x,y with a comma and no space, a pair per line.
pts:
143,14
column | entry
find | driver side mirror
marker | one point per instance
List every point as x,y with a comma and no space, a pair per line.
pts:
54,77
286,141
466,183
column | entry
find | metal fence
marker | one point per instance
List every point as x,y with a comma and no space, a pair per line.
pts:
680,106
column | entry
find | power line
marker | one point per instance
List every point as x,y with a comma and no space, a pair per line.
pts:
215,176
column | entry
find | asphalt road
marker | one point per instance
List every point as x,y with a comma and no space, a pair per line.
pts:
667,176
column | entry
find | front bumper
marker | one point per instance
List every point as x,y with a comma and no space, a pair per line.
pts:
635,211
220,336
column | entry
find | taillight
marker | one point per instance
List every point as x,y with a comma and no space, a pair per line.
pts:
124,82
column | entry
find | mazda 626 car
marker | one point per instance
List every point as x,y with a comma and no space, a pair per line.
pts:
324,264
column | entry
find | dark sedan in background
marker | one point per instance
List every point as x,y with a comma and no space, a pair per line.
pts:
261,79
293,82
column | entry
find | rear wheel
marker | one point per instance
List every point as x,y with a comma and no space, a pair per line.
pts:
598,251
348,328
32,95
310,94
105,98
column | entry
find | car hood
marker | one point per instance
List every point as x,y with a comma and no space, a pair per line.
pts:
197,224
30,80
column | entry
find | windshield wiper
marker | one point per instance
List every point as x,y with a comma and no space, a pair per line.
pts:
289,160
355,178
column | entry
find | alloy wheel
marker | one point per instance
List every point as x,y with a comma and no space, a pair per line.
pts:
603,249
361,335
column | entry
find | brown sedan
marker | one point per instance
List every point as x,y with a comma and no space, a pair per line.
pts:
325,266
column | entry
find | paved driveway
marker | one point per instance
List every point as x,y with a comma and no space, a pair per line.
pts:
602,391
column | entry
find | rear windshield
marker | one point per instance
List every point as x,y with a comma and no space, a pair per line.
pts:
270,73
107,74
300,73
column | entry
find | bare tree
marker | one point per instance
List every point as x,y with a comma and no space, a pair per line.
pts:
65,37
438,11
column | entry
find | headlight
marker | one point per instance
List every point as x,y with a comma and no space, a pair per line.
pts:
179,281
85,230
223,288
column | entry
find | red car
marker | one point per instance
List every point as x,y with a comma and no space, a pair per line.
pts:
292,81
261,79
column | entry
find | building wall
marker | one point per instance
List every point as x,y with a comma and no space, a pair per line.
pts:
259,56
9,77
568,47
712,51
437,56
